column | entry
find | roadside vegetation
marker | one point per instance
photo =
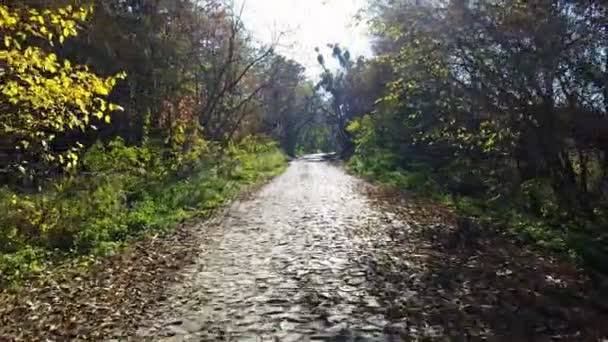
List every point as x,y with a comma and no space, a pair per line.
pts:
117,123
497,109
105,206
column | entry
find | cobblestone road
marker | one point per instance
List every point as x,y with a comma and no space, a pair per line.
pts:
288,264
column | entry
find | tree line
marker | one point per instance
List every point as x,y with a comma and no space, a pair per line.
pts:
185,66
499,103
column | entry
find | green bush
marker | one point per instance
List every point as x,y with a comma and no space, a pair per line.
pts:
116,157
374,164
539,197
124,191
382,166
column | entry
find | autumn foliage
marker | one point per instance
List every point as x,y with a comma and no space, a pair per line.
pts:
43,95
118,119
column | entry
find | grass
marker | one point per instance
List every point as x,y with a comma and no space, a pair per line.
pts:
126,194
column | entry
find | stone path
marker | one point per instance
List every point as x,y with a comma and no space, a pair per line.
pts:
286,265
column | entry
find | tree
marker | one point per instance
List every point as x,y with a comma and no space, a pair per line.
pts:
510,88
353,88
43,96
290,103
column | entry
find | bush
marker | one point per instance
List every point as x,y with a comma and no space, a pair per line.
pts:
116,157
124,191
539,197
374,164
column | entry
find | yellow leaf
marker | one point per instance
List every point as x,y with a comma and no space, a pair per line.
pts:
101,90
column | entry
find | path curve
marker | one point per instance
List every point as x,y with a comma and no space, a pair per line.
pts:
288,264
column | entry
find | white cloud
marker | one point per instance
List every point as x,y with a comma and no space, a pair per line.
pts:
307,24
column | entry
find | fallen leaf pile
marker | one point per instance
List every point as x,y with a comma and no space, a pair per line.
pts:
106,301
452,279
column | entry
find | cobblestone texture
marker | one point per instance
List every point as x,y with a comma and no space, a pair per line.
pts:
286,265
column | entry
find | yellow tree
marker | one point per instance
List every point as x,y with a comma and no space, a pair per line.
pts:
42,96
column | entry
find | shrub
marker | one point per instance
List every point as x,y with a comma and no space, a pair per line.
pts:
126,191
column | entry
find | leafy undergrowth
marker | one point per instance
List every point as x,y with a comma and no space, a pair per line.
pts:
125,193
573,236
450,278
99,291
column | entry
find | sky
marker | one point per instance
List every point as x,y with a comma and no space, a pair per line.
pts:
307,24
